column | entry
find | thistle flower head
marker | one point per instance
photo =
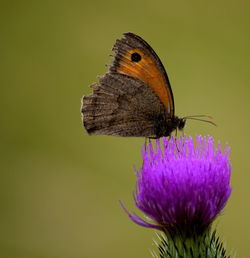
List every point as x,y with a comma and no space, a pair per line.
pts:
182,186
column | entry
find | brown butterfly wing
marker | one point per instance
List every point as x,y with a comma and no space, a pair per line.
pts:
134,98
147,67
122,106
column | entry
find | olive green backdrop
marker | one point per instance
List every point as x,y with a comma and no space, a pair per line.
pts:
60,187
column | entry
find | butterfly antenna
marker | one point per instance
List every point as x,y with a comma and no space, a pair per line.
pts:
208,116
203,120
195,117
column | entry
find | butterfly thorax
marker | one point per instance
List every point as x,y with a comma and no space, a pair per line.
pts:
165,125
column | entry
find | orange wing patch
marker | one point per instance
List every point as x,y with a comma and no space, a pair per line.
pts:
136,63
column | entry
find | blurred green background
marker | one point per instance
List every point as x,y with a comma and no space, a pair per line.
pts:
60,187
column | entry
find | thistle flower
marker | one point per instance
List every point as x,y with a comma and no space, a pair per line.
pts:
182,187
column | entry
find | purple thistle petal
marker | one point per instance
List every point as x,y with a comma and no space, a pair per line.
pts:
182,186
139,220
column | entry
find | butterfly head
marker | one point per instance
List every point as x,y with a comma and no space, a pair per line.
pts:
181,123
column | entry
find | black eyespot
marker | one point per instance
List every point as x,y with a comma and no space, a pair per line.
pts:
135,57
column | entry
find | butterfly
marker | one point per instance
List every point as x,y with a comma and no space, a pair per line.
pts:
134,98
